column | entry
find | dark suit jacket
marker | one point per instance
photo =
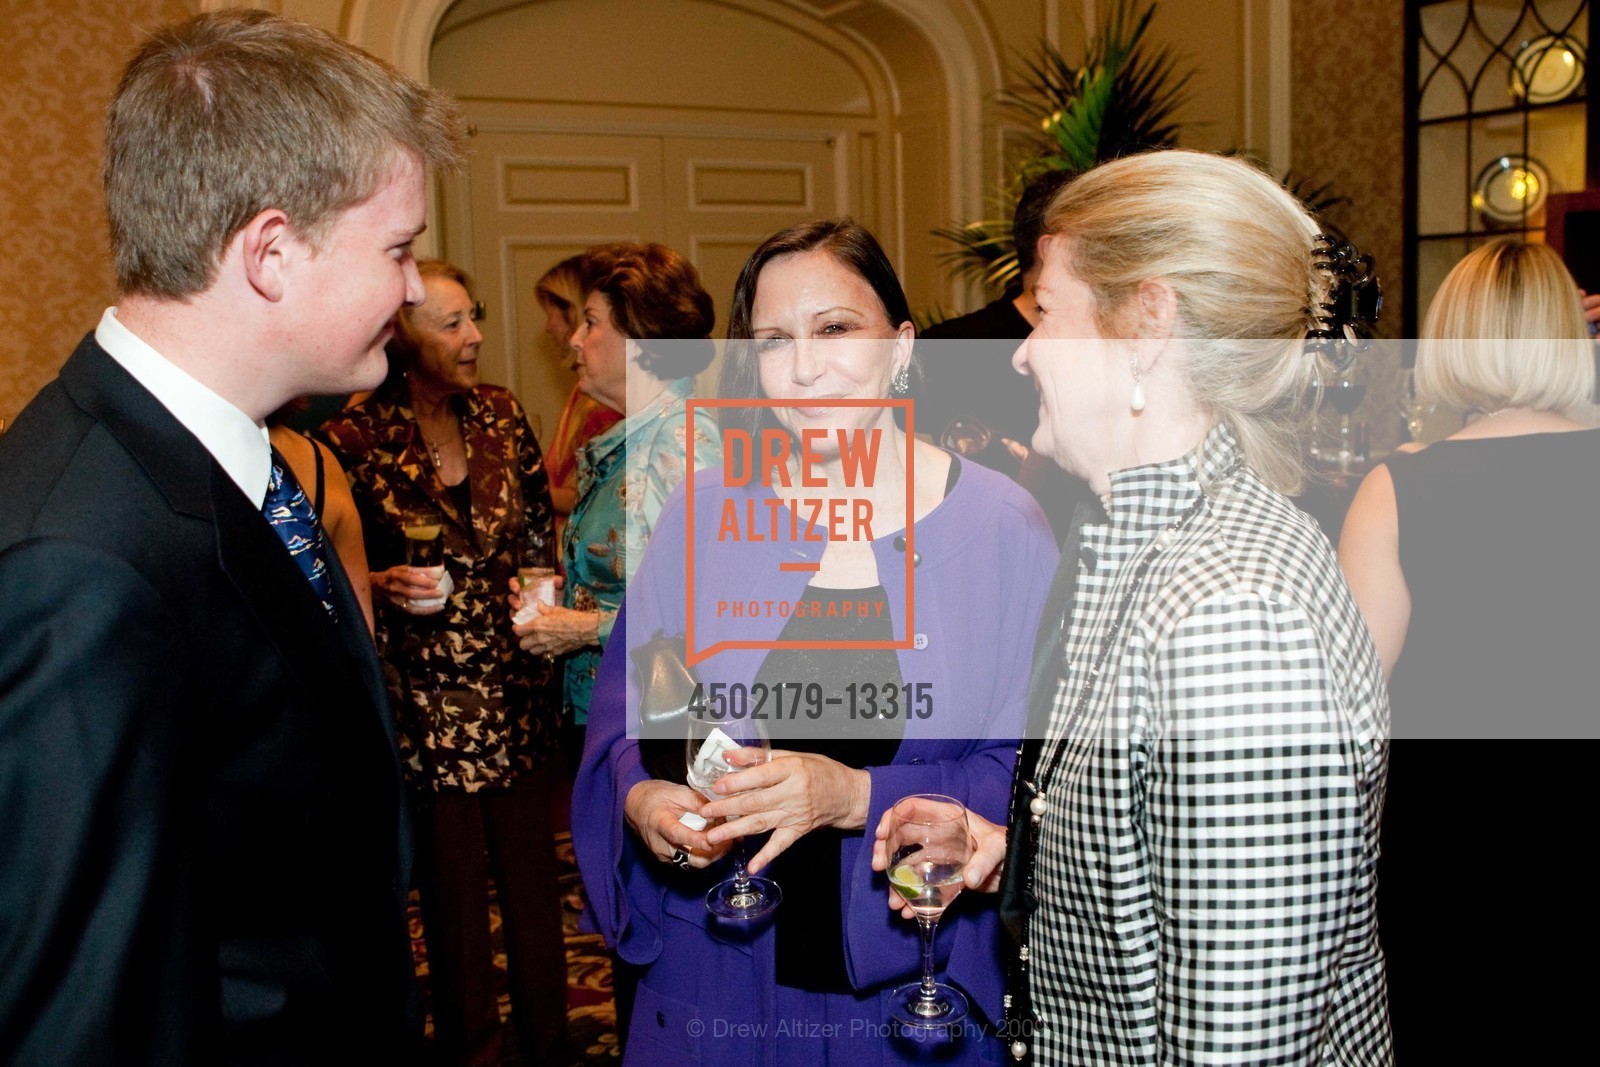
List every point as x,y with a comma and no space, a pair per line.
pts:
203,845
976,380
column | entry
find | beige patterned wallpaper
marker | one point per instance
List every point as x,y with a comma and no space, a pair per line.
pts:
1349,129
1349,122
61,66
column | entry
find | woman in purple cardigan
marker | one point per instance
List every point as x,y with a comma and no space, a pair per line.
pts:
958,583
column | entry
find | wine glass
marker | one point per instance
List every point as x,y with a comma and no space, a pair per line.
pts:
422,527
928,845
1345,391
536,569
1315,404
1413,409
707,746
966,436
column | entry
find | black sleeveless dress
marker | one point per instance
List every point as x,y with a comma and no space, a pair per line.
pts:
809,927
1486,906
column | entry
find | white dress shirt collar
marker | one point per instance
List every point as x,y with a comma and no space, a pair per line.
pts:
237,442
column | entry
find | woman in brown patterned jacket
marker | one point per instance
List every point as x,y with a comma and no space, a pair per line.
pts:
476,717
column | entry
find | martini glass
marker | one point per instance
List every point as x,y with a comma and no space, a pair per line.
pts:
928,845
708,747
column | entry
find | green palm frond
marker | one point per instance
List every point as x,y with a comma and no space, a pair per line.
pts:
1121,98
983,252
1152,86
1141,114
1046,85
1077,128
1320,200
923,317
1149,86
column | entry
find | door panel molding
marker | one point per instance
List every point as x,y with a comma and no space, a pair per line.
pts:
596,166
704,197
625,128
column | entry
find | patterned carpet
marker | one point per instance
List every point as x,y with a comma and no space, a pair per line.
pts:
591,1016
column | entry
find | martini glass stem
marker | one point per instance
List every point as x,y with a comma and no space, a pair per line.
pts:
741,877
928,998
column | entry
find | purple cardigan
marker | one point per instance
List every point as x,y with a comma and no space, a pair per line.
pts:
986,559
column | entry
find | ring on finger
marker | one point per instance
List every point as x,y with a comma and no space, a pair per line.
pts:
681,858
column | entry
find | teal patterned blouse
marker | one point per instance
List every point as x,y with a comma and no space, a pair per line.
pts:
624,476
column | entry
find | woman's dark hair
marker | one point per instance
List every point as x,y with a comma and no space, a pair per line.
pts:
403,348
655,295
849,243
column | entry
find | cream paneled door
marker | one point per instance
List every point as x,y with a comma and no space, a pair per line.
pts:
529,199
724,196
526,201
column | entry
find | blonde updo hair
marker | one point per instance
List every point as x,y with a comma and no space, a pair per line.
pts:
1506,330
1236,249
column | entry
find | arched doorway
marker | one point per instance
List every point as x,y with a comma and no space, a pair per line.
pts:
701,123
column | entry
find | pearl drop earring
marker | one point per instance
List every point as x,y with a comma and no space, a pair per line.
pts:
1136,402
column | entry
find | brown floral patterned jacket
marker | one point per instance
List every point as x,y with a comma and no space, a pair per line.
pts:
473,710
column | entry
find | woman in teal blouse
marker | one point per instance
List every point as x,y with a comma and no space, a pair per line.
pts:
633,294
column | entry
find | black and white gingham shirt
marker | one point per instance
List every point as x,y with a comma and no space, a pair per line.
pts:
1206,867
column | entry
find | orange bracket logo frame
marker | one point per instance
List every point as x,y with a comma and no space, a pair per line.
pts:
693,655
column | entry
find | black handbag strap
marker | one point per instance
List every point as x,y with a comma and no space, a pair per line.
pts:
316,495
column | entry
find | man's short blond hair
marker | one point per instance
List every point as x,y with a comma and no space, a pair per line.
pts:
234,112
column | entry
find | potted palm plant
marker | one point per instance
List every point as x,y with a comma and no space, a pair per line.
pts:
1120,98
1123,97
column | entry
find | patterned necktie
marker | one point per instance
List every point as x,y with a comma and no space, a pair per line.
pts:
292,519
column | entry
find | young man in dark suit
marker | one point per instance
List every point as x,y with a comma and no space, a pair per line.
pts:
205,852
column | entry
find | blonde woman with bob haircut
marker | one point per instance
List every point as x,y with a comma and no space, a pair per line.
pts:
1505,342
1194,824
1474,563
1507,331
